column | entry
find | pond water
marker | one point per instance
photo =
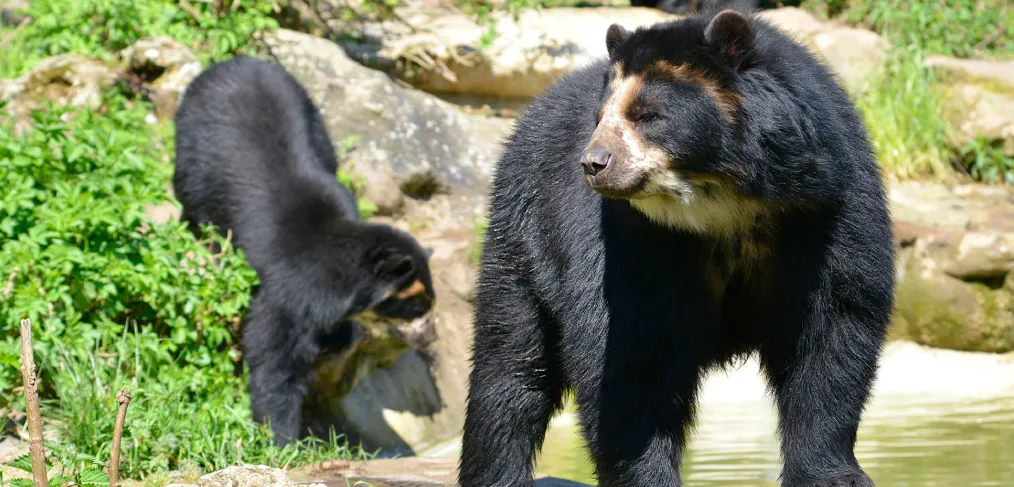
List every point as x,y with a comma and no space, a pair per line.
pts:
937,419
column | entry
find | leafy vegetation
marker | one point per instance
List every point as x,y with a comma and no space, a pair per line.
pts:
903,104
99,29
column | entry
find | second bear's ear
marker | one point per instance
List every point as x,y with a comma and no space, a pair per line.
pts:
615,35
428,251
393,265
731,33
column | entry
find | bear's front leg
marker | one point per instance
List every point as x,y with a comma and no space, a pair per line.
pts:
280,358
514,388
821,358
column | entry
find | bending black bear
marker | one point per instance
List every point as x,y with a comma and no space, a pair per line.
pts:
707,192
253,157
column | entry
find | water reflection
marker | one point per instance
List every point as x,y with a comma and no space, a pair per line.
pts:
919,430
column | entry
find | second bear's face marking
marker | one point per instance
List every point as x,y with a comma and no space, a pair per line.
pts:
662,127
408,292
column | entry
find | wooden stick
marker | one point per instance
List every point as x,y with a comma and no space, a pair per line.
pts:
13,33
32,406
123,398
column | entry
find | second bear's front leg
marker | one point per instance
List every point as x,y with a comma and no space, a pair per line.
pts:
280,360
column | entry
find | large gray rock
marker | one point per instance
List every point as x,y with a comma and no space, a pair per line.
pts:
402,472
246,476
446,52
980,99
955,266
165,66
404,133
66,79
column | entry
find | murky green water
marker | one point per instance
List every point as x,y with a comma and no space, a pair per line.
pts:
901,443
919,430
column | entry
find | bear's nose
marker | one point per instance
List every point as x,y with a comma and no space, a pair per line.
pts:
596,161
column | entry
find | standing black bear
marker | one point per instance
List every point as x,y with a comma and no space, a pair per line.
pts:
691,6
707,192
253,157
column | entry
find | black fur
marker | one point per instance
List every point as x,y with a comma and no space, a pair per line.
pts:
693,6
578,291
253,156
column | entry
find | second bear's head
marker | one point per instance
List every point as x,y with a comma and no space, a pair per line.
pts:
401,286
668,103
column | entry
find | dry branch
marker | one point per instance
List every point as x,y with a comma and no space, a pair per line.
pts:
123,398
32,406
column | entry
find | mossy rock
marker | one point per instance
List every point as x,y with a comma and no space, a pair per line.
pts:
940,311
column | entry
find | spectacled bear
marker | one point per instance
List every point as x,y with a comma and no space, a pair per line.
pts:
706,192
692,6
253,157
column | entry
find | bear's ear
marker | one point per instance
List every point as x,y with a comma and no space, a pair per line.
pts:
428,251
615,35
393,264
731,33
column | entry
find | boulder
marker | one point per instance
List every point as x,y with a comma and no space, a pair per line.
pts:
66,79
402,132
449,53
247,476
853,54
979,98
164,67
998,73
955,266
400,472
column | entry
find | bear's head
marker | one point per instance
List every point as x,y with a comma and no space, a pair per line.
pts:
668,109
399,294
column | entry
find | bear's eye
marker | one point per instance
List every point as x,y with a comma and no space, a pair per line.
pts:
645,116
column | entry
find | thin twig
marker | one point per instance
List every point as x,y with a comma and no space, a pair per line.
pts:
10,283
9,37
123,398
225,247
188,8
239,451
32,406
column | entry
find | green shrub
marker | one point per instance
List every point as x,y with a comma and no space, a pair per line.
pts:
903,105
99,28
960,28
902,110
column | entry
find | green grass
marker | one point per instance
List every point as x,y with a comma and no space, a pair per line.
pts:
904,102
100,28
902,110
